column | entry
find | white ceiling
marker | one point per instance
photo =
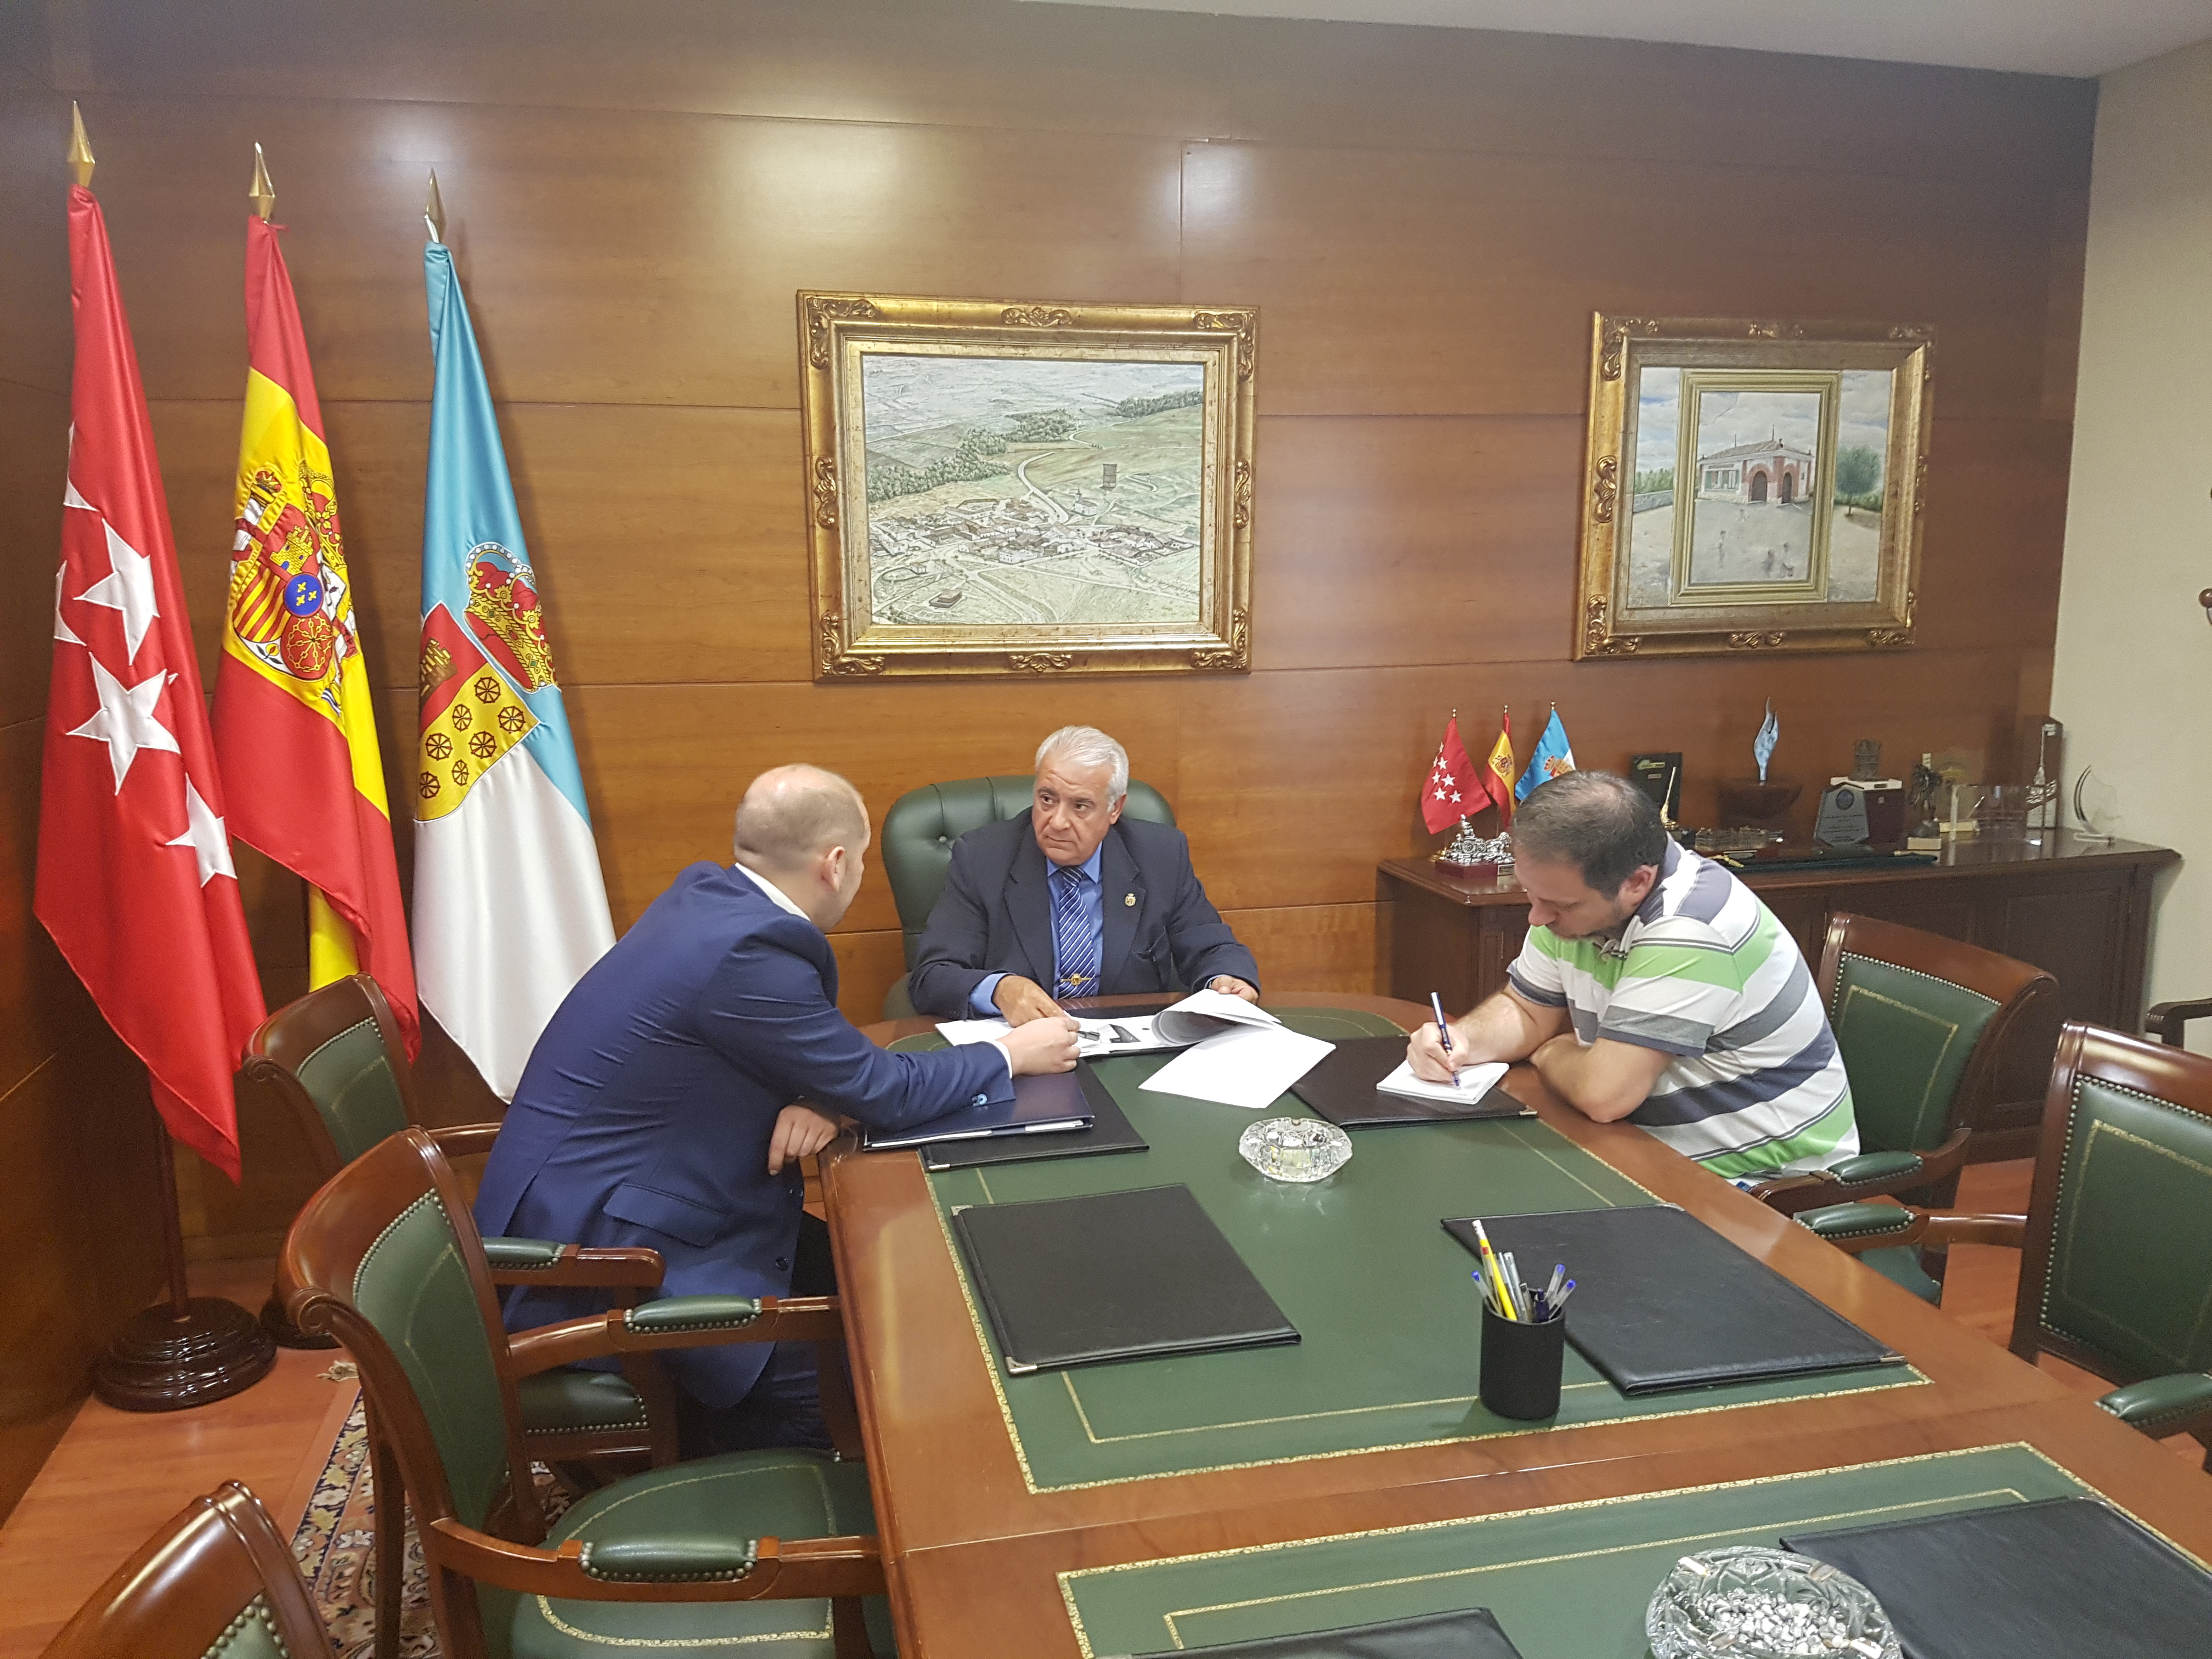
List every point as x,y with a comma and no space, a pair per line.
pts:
2046,37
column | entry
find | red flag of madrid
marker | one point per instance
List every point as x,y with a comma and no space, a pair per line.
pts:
135,878
1451,792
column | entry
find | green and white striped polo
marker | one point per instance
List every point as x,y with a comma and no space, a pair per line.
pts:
1704,973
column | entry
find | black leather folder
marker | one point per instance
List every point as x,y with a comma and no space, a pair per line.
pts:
1663,1302
1110,1131
1077,1281
1341,1088
2059,1578
1470,1635
1054,1103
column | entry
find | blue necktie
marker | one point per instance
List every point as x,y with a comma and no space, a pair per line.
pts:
1075,946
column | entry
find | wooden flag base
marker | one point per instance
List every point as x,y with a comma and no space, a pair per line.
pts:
190,1349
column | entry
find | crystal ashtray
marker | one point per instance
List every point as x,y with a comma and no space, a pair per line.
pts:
1295,1148
1750,1603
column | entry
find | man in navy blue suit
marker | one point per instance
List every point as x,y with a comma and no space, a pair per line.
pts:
1072,900
658,1106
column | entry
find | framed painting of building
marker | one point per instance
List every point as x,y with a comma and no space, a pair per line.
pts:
1001,488
1752,486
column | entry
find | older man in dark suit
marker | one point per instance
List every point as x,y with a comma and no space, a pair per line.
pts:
658,1106
1072,900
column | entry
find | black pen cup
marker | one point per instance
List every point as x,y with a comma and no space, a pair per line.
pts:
1521,1364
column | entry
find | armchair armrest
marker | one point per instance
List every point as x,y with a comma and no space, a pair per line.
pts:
777,1568
2169,1021
1949,1227
1876,1166
542,1261
677,1321
1857,1228
2160,1406
1869,1174
465,1139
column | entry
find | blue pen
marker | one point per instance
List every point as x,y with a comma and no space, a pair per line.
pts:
1444,1031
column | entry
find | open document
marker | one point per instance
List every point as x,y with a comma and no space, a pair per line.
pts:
1201,1015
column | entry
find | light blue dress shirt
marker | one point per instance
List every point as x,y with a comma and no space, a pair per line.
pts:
1090,899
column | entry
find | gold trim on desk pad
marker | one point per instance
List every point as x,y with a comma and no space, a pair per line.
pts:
1067,1580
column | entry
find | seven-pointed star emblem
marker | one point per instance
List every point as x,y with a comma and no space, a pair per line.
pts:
128,587
204,834
126,722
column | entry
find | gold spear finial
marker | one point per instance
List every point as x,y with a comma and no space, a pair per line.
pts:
79,151
433,211
263,195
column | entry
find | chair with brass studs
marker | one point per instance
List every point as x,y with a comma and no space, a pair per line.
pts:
1927,1027
921,826
335,1058
2116,1247
715,1556
216,1583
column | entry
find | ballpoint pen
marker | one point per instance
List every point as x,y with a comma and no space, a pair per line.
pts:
1497,1278
1444,1034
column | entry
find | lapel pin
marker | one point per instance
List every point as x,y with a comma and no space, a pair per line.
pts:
1129,899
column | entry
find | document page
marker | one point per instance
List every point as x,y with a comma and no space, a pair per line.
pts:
1474,1082
1247,1066
1094,1038
1205,1013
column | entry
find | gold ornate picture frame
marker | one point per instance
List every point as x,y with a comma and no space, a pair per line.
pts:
995,487
1752,486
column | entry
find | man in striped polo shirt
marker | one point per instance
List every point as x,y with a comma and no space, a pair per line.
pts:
1655,987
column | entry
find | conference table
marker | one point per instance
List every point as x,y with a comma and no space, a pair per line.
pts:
1151,1505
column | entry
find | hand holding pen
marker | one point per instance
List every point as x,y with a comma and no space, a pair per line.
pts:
1444,1034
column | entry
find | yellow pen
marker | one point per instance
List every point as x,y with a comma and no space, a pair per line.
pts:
1497,1274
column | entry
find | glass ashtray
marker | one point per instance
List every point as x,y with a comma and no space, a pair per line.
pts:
1750,1603
1295,1148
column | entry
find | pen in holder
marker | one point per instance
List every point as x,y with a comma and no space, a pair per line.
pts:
1521,1363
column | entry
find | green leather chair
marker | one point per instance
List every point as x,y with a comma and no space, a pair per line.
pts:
2115,1263
1927,1026
917,847
218,1581
767,1549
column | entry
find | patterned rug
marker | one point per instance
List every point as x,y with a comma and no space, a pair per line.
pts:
336,1550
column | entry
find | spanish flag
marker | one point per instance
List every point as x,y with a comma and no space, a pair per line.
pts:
1498,771
294,728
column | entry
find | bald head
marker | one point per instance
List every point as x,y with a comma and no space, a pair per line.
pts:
791,816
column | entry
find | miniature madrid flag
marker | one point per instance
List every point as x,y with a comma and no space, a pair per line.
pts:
134,878
294,713
1497,770
1451,792
510,907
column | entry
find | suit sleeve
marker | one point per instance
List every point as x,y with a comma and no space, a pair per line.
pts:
1201,942
764,1011
954,942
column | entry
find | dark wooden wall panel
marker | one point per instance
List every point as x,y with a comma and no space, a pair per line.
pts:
1425,218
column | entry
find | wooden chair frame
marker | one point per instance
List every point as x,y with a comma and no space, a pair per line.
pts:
337,1228
2180,1079
179,1593
2015,987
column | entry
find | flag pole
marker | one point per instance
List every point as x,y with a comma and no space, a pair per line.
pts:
433,211
192,1350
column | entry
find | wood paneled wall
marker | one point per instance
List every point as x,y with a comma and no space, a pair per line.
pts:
1426,220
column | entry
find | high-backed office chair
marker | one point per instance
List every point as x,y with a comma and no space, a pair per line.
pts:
706,1557
2116,1247
1926,1025
216,1583
335,1057
921,826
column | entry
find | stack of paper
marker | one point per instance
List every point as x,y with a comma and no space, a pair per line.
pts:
1096,1039
1474,1082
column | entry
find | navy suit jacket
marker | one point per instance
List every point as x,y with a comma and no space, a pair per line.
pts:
995,916
645,1114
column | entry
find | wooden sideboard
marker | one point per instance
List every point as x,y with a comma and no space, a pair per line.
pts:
2079,909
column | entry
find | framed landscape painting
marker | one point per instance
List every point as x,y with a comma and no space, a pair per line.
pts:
1752,486
997,488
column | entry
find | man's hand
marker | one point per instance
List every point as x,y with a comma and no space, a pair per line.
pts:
800,1132
1021,1000
1041,1046
1232,987
1426,1055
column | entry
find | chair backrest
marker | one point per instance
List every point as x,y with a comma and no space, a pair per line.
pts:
922,825
216,1583
2116,1271
1923,1023
337,1059
385,1257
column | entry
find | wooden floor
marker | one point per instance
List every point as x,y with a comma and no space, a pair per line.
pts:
117,1475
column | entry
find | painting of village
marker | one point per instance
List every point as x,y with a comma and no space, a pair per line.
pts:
1762,497
1033,491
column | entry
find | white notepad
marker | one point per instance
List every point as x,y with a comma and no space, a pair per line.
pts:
1474,1082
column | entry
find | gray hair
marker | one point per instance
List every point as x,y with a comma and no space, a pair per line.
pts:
1087,746
792,813
1599,822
